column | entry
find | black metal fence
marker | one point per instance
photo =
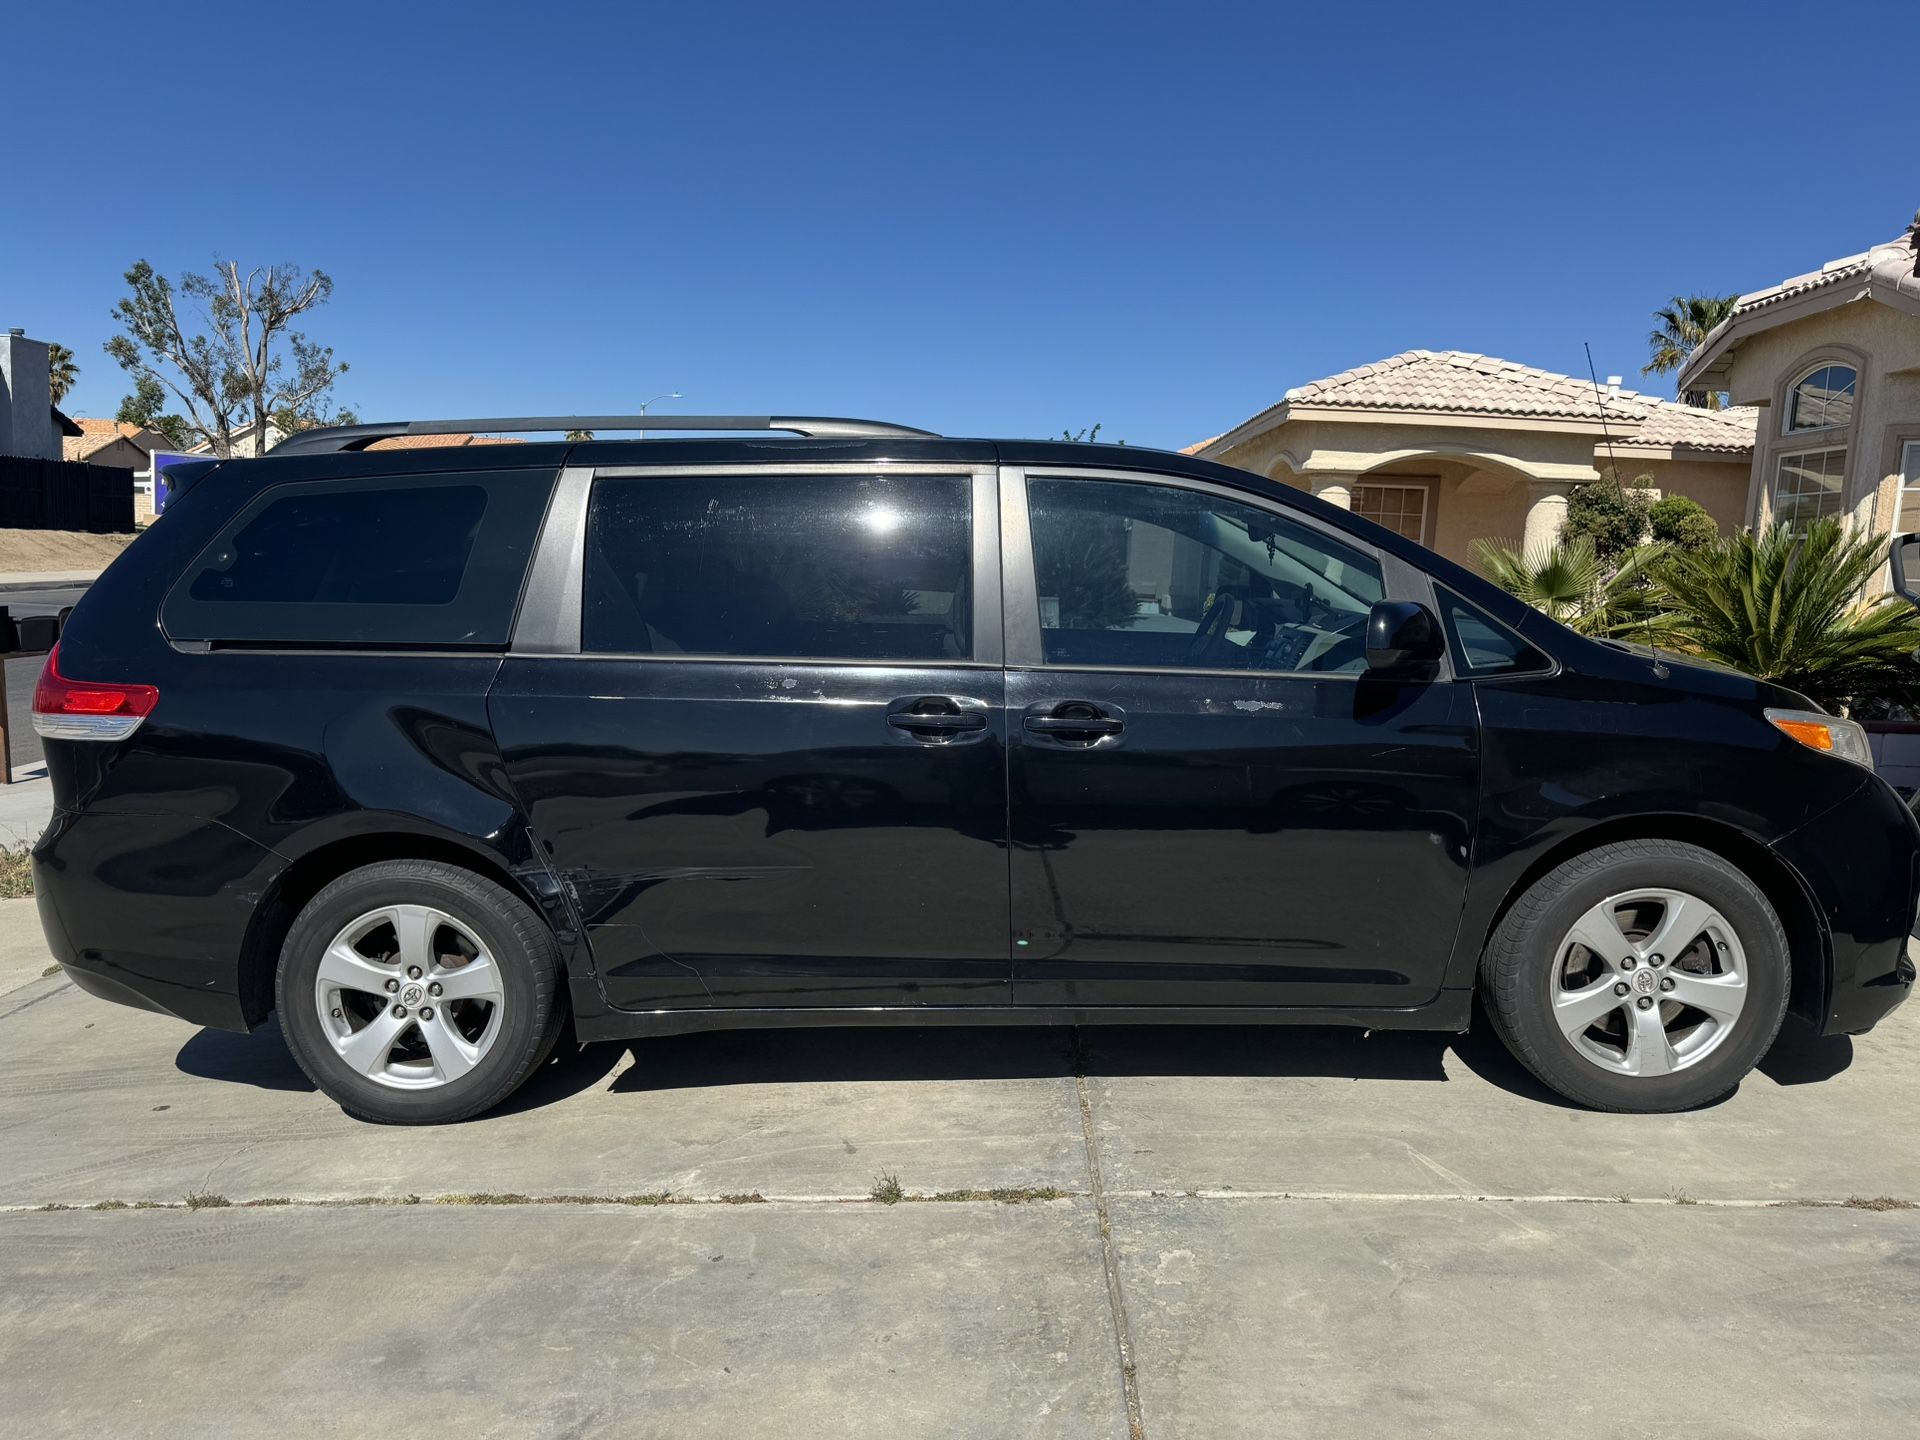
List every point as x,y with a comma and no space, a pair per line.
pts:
64,495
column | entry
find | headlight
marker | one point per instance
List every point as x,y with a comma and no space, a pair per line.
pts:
1824,732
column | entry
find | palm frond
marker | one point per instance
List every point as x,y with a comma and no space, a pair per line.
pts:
1787,608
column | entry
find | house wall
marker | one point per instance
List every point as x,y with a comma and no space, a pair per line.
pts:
1885,345
1480,475
26,401
1722,487
122,454
1354,447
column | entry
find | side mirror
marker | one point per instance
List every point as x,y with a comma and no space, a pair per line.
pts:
1402,636
1906,566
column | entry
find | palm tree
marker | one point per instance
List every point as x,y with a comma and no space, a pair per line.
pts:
1787,608
61,371
1683,325
1568,582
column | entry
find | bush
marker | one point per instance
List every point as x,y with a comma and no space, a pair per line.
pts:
1789,609
1682,523
1612,517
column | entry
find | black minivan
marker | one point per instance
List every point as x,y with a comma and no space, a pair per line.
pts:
437,750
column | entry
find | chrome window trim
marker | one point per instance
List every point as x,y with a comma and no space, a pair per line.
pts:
549,618
814,661
1021,604
550,610
794,467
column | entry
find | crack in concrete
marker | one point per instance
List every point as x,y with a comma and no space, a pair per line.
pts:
1109,1256
1036,1195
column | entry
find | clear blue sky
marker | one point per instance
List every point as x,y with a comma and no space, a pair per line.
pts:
981,218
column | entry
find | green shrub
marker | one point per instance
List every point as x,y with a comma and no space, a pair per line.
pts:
1683,523
1610,516
1788,609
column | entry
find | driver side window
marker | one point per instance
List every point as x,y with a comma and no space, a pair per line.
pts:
1152,576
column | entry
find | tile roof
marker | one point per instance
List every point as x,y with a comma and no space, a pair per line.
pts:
1891,264
1455,382
431,442
1889,273
1198,446
97,435
1687,427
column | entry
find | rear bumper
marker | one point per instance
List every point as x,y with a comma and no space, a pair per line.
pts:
153,911
1860,863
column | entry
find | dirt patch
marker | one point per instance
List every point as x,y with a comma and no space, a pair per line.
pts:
40,551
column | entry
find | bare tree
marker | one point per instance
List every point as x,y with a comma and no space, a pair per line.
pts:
249,367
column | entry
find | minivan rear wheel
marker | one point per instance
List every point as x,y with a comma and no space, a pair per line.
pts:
414,992
1645,975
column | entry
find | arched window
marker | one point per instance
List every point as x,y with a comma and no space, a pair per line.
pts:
1822,398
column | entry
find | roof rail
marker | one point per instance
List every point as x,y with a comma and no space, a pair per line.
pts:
332,439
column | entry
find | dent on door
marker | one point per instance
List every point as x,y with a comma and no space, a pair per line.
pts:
751,834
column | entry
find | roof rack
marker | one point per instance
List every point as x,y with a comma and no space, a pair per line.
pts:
332,439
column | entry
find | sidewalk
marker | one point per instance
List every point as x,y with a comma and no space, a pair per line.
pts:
12,580
26,805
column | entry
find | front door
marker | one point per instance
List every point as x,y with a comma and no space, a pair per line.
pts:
773,772
1213,802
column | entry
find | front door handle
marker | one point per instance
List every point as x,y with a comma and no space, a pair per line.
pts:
1074,722
938,719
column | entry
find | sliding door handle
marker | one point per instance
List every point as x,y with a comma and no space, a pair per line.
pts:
938,719
1076,723
1068,725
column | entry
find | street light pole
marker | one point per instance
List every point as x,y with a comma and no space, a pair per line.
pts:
644,404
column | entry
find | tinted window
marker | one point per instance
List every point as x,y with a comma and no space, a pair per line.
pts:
1150,576
1823,398
1481,644
855,567
413,560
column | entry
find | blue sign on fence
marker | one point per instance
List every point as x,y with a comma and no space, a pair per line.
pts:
162,459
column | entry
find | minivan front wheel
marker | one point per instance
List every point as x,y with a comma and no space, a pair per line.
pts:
414,992
1646,975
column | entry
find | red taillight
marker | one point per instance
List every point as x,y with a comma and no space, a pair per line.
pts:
66,709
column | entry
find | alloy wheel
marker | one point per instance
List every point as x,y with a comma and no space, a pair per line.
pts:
409,997
1649,982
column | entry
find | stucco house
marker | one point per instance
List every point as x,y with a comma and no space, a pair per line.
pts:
1447,447
119,443
1831,362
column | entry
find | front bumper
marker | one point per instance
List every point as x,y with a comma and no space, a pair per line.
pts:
1860,863
153,911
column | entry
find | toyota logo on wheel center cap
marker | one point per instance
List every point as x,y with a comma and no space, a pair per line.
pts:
1644,982
412,995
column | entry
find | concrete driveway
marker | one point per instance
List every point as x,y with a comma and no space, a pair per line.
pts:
1203,1233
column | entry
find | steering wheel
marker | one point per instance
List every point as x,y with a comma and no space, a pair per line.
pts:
1214,621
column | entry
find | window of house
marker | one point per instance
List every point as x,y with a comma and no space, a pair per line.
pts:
1400,508
1155,576
1907,518
1822,398
413,560
1808,486
834,567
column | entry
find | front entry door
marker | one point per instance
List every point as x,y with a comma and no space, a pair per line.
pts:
1212,801
774,772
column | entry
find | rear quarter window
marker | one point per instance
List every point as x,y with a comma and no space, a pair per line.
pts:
415,560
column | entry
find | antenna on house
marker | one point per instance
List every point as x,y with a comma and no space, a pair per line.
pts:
1613,466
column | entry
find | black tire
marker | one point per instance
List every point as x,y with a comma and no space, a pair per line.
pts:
519,941
1519,969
